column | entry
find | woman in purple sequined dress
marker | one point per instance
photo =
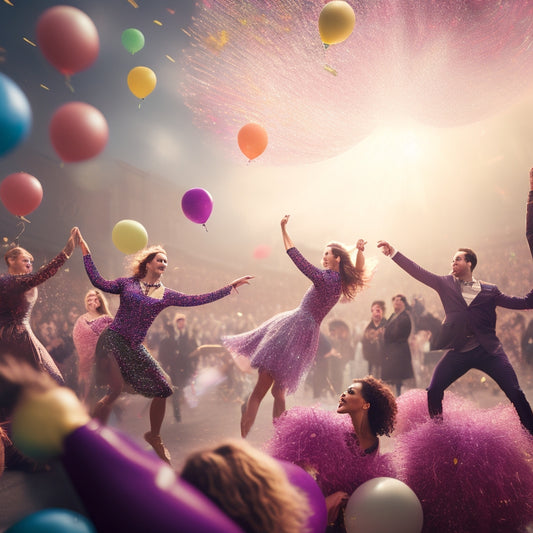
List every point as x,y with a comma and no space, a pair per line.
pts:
284,347
85,334
122,361
18,294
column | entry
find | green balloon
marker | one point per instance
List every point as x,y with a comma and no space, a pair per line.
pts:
132,40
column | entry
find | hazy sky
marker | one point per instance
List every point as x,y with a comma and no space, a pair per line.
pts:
425,188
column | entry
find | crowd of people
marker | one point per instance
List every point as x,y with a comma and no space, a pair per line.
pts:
133,341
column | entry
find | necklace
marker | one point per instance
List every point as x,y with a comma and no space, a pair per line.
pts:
148,286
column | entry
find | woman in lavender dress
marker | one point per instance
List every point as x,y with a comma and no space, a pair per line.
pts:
121,359
18,294
85,334
284,347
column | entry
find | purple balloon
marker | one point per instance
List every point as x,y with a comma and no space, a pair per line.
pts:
318,519
197,205
125,488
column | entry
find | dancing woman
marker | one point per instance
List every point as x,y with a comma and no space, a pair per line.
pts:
85,334
18,294
121,358
284,347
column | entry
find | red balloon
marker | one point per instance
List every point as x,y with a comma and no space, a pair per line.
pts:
68,39
21,193
78,131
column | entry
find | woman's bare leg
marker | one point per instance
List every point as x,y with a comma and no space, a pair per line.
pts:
153,437
264,382
279,401
103,408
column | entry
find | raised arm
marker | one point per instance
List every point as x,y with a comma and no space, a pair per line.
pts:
286,239
360,260
424,276
529,213
82,244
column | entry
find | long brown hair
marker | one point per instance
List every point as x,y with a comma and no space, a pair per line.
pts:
249,486
142,258
353,280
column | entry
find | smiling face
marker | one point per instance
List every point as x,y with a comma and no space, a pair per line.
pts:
157,265
351,400
329,261
92,302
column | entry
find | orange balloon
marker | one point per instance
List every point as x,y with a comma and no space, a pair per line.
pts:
253,140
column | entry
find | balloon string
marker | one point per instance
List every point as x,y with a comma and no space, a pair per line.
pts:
140,102
21,224
68,84
205,227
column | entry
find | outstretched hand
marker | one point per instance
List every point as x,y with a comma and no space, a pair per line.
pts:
361,243
81,243
241,281
72,242
386,248
284,220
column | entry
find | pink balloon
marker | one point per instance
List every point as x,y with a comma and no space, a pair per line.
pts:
68,39
21,193
197,205
262,251
78,131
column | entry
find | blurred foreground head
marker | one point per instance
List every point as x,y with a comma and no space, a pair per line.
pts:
42,413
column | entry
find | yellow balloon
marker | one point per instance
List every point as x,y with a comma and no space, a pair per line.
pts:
336,22
129,236
141,81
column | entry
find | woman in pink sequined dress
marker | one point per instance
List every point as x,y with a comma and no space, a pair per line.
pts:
284,347
85,333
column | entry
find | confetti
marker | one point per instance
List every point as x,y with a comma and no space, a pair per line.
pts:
440,62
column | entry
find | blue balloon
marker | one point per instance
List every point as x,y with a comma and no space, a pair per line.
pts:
15,115
53,521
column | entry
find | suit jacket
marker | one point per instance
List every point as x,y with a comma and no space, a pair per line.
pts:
462,320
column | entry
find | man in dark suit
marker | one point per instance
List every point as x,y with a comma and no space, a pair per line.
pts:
468,329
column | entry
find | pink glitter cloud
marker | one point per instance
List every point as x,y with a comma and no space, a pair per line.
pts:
440,62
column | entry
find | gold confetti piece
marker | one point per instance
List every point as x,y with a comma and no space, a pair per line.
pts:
218,41
330,69
133,3
455,460
483,379
44,86
28,41
170,58
158,23
8,3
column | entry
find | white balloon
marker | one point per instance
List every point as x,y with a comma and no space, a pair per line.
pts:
383,505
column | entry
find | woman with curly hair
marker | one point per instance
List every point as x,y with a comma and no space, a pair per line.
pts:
341,451
284,347
122,361
248,486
